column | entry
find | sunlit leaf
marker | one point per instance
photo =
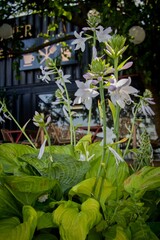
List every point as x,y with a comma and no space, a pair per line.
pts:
75,221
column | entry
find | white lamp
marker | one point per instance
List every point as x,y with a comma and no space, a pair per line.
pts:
137,34
6,31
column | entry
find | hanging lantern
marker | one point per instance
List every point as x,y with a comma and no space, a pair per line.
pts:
6,31
137,34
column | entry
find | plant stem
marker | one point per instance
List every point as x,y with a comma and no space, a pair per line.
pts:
116,124
24,133
72,131
89,119
104,120
132,129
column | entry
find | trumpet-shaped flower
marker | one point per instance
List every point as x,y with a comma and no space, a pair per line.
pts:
110,136
145,101
145,108
85,94
103,34
4,111
120,92
42,148
80,41
45,77
118,158
62,79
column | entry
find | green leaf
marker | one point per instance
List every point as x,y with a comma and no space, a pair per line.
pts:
83,144
113,172
26,189
140,231
45,236
84,189
8,206
147,179
113,110
12,229
9,153
59,149
117,233
64,168
44,220
8,223
75,223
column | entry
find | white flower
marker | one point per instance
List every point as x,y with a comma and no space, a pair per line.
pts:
85,94
80,41
94,52
118,158
103,35
1,119
43,198
45,74
119,92
42,148
64,77
61,80
110,136
86,157
145,108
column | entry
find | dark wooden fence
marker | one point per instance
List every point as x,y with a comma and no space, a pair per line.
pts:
22,89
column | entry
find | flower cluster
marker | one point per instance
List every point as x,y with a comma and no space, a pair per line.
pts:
101,80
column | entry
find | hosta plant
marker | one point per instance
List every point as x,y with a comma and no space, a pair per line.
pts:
84,190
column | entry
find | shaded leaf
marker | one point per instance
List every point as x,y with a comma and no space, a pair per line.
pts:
14,230
10,152
8,205
26,189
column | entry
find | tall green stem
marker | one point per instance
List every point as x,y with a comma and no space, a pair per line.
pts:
90,110
89,119
104,120
116,124
22,130
72,132
132,129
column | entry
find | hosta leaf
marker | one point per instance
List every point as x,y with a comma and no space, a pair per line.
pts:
14,230
44,220
45,236
8,223
26,189
10,152
140,231
8,205
117,233
75,223
59,149
65,168
147,179
84,189
113,172
83,143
